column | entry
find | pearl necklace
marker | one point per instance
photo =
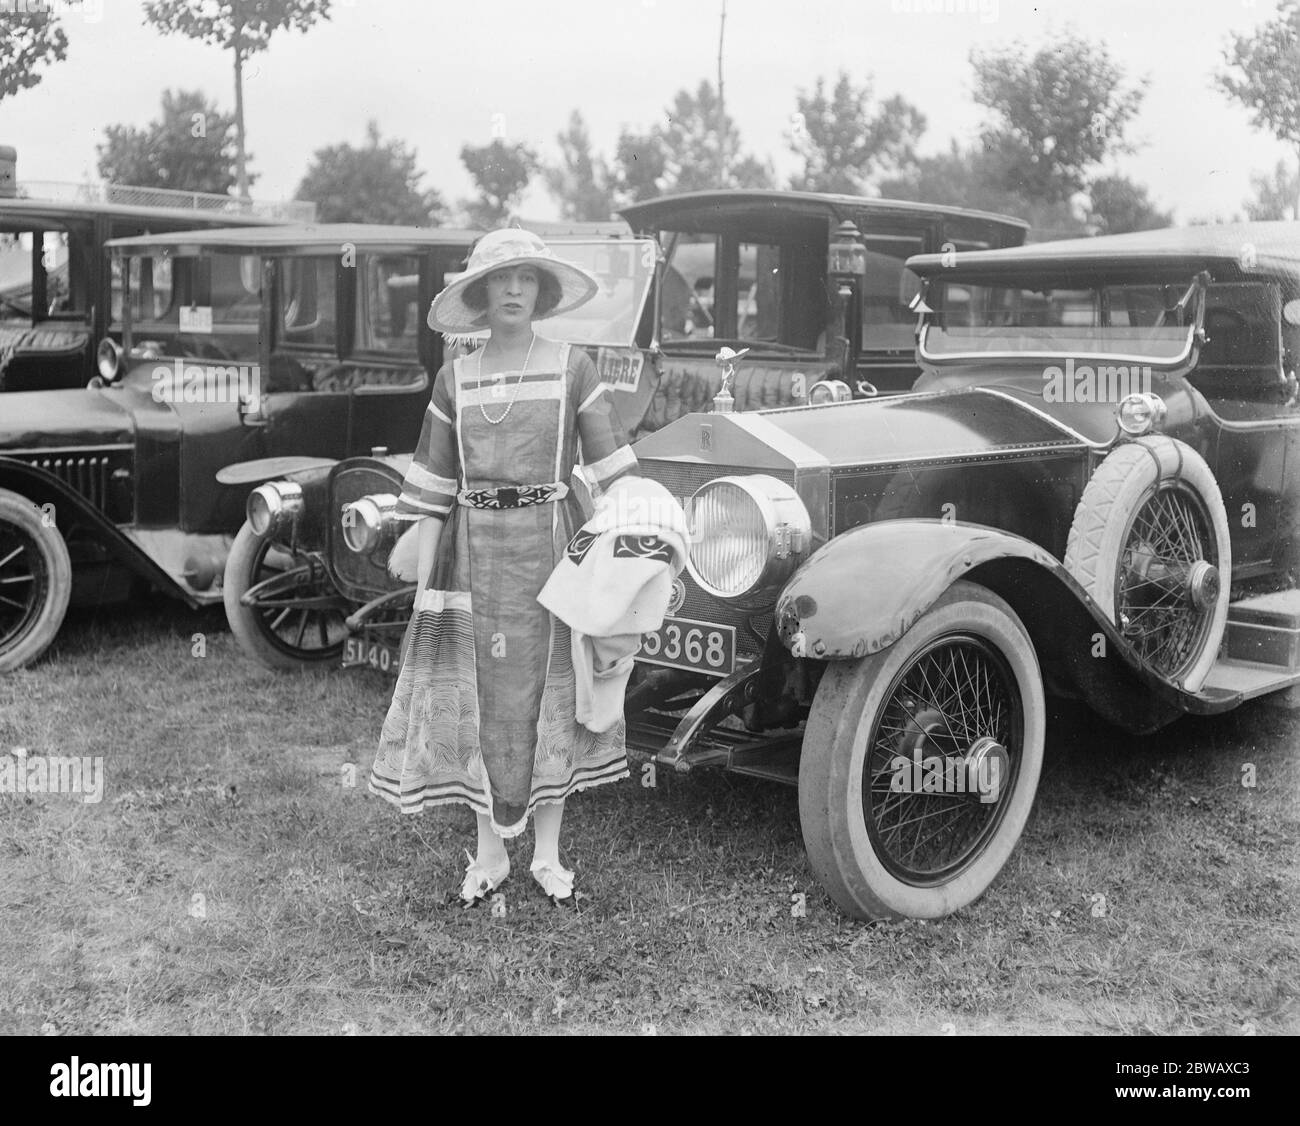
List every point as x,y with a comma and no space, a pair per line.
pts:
518,383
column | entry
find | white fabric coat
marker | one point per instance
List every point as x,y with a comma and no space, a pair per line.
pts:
612,586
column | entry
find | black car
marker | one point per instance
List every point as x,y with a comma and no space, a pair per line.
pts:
60,294
274,347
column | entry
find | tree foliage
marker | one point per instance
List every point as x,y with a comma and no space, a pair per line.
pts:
243,27
1057,113
501,172
1276,194
1262,72
1116,205
375,183
31,41
844,144
702,148
640,169
581,181
190,147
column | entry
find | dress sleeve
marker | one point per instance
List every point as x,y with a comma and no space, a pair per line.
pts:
431,481
606,454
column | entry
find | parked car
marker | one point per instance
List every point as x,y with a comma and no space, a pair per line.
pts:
295,595
270,346
1092,493
813,285
59,292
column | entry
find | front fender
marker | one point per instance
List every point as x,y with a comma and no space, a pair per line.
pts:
865,589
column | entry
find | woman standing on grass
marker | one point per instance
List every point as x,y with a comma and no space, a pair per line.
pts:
483,710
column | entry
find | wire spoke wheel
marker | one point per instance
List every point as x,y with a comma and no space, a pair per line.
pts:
945,746
1161,609
920,761
35,581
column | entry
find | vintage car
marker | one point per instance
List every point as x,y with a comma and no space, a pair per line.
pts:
288,343
1093,492
59,291
295,595
814,286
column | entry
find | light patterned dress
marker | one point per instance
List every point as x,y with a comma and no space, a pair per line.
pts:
483,709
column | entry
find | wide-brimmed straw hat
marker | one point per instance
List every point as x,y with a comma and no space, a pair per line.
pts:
510,247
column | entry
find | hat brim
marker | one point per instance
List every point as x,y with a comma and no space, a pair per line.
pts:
450,314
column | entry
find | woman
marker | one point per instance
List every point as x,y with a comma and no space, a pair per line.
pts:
483,710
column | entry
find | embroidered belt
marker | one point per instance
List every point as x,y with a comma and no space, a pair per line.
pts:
513,496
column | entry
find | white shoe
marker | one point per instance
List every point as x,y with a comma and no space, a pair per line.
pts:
556,881
481,879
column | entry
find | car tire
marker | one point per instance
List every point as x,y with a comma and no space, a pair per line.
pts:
901,702
35,582
256,630
1115,552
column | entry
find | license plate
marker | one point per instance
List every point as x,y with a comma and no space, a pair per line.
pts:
372,654
681,643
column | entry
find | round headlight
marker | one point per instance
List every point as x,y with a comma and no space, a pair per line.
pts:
1141,412
747,535
108,359
830,391
368,521
273,506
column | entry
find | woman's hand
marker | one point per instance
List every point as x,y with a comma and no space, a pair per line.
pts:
430,533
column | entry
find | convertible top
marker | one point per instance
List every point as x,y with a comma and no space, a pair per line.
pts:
1272,247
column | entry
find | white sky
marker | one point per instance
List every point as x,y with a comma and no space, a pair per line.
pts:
434,74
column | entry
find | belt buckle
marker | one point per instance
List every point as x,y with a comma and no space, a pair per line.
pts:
507,496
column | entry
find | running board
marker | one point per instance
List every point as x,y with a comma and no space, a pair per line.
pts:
1248,679
774,756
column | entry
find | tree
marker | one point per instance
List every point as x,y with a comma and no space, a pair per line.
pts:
843,143
190,148
1117,204
1263,74
640,169
377,183
971,178
1058,113
1276,195
32,40
501,173
581,182
691,140
243,27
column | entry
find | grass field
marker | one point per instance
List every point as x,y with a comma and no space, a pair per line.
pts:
1151,891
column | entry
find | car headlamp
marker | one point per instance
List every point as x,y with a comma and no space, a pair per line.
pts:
274,506
108,359
830,391
1141,412
368,522
747,535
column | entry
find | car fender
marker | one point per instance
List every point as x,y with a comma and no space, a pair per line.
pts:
42,487
865,589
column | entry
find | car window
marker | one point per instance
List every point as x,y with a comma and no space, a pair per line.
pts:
1150,321
57,258
888,322
387,317
307,308
1241,326
201,307
687,304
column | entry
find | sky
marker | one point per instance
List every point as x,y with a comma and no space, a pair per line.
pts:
438,74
